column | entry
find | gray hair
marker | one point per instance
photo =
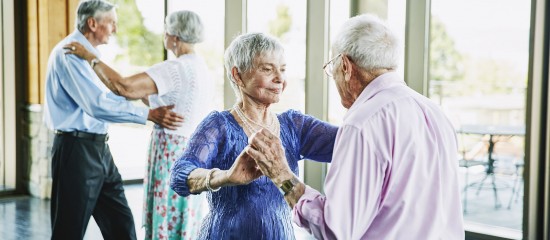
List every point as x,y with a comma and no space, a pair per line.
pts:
368,42
91,8
244,49
186,25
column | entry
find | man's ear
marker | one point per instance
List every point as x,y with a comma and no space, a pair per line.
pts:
236,76
347,68
92,24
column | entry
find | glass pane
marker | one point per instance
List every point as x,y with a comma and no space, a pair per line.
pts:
339,12
137,45
212,13
392,11
478,74
2,166
286,20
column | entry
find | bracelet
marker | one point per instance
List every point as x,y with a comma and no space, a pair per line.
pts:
208,176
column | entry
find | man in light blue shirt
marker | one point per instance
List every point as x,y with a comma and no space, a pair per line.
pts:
79,108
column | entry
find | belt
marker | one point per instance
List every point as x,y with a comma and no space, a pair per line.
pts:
85,135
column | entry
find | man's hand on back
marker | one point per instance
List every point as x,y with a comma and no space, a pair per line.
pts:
165,117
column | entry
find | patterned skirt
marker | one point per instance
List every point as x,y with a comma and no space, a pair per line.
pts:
166,215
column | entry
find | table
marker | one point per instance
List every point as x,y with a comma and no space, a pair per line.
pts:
492,131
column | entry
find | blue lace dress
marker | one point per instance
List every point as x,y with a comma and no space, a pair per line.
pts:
257,210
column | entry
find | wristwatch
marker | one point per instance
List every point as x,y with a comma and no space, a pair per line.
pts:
94,62
288,185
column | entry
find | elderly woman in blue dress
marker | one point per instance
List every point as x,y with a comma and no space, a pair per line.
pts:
248,206
183,82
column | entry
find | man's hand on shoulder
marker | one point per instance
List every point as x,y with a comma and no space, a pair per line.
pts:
165,117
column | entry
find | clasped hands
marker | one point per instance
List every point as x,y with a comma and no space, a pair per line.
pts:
264,155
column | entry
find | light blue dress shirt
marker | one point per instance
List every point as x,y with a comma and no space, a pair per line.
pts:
76,100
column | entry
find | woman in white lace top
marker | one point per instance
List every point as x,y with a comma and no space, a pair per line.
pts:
183,82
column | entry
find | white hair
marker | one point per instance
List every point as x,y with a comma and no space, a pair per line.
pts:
244,49
368,42
186,25
91,9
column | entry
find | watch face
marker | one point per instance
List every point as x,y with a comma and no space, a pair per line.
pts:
287,186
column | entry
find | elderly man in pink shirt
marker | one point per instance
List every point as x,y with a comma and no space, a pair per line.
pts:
394,170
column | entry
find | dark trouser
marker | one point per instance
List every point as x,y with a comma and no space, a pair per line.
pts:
86,182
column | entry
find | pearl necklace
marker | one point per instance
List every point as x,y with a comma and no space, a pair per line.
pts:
273,129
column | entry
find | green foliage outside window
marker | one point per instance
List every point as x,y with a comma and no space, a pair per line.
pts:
445,60
142,47
281,25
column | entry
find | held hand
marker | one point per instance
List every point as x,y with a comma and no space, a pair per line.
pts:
244,170
268,152
77,49
165,117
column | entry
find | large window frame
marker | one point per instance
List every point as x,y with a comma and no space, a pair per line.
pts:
416,71
537,174
8,101
536,198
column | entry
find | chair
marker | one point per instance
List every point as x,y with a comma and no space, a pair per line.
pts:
470,157
518,182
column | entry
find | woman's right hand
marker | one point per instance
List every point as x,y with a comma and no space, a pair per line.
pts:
77,49
243,171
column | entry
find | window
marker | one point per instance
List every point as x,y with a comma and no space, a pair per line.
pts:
478,74
137,46
392,11
211,49
2,164
7,98
285,20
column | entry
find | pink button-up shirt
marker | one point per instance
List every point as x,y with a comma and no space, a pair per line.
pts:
393,173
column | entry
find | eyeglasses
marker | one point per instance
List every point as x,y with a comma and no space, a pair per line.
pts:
329,66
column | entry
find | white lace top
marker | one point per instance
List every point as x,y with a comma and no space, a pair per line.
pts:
184,82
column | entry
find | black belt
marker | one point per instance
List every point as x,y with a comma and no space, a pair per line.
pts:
85,135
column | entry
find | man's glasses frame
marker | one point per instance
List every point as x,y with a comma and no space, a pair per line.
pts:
329,66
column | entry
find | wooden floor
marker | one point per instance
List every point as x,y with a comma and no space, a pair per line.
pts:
23,218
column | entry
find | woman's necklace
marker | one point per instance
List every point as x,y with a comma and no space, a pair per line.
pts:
243,119
240,111
246,120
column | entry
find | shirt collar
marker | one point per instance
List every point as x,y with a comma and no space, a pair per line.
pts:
382,82
79,37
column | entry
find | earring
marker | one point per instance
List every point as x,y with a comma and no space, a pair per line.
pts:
174,45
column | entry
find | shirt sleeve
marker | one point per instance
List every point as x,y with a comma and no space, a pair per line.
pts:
316,137
83,86
202,148
352,187
164,75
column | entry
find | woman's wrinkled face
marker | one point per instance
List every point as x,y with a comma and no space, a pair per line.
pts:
267,79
